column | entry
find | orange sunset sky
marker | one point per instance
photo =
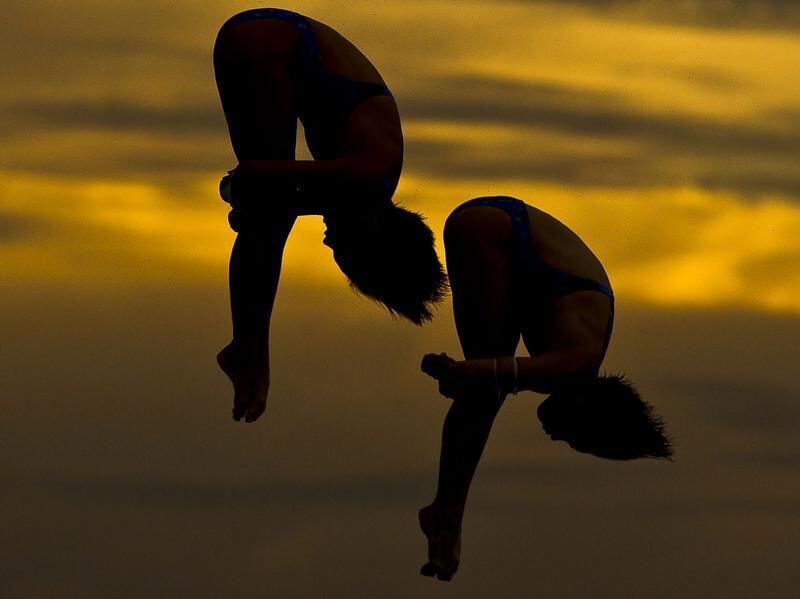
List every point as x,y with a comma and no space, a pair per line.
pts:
666,134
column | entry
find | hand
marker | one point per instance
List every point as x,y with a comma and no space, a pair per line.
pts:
226,193
236,187
434,365
458,378
226,187
438,366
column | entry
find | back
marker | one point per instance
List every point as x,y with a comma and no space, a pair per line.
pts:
559,246
578,315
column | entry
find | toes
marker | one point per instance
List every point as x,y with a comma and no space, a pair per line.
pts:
446,576
428,570
431,570
255,412
239,408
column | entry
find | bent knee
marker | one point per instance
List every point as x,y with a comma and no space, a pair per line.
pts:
263,38
476,225
458,228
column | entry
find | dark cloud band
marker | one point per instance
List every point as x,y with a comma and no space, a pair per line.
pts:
744,14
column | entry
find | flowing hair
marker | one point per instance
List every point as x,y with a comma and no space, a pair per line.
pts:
607,418
398,267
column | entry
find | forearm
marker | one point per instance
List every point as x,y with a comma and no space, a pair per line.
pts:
311,184
312,175
295,171
540,374
543,373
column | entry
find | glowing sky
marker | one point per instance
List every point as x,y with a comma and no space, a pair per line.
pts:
667,134
672,148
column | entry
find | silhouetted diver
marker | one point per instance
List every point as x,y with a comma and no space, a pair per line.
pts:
515,270
272,67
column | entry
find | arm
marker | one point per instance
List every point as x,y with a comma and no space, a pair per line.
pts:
313,181
372,152
539,374
542,373
300,172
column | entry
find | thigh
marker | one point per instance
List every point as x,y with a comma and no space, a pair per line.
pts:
253,67
480,270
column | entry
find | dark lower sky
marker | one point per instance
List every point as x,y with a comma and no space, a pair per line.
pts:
125,477
665,134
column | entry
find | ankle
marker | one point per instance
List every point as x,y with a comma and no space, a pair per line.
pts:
246,354
447,515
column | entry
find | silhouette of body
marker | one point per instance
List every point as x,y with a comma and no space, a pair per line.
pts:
272,67
514,271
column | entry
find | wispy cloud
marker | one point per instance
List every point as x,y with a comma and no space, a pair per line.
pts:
745,14
656,147
21,228
573,106
116,115
646,147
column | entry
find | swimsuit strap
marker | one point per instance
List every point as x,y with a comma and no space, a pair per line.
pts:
355,91
610,325
342,95
562,282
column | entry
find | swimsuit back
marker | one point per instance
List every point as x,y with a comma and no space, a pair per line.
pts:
530,268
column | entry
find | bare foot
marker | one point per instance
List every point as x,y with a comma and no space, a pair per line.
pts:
250,383
444,544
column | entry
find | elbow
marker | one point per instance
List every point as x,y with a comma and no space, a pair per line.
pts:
580,364
371,176
371,169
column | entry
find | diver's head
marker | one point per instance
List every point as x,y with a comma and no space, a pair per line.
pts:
604,416
388,254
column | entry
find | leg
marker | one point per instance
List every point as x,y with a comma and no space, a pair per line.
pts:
251,62
479,268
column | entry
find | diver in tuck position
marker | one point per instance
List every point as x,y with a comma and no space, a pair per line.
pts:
516,271
272,67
